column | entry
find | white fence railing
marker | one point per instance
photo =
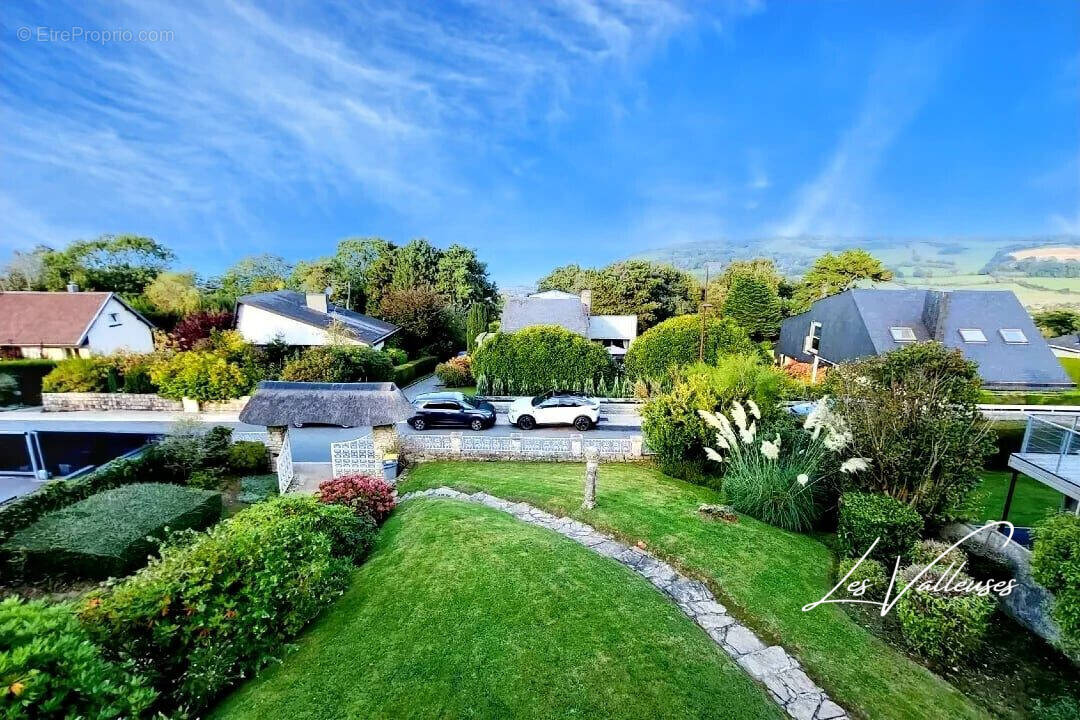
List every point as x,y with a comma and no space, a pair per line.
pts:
521,447
354,456
1055,441
285,466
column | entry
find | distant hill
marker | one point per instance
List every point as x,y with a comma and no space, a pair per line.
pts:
945,263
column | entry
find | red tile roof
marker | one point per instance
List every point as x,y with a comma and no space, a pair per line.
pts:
47,318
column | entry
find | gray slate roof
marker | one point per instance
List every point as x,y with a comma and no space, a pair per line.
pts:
293,305
278,404
1069,342
569,312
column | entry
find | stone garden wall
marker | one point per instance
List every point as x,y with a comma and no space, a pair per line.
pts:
70,402
420,447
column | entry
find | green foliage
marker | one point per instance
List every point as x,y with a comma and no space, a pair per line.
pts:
928,551
174,292
9,389
456,372
202,375
1055,564
913,412
256,488
770,491
945,627
671,425
29,374
869,576
77,374
397,356
416,265
463,280
865,518
763,269
831,274
754,305
540,358
124,264
248,457
476,322
1055,323
408,372
339,364
254,274
50,668
315,276
1063,708
207,479
423,317
217,607
676,342
110,533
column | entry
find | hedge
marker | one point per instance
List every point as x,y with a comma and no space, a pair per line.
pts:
339,364
866,517
677,342
540,358
29,374
410,371
1055,564
109,534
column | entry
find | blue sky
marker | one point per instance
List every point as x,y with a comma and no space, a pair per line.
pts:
539,133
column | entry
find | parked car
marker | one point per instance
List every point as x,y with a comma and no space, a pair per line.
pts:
554,409
451,408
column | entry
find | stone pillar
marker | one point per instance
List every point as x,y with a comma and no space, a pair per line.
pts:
575,445
455,443
515,443
592,463
385,440
275,438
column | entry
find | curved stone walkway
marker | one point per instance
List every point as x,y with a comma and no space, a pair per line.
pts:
772,666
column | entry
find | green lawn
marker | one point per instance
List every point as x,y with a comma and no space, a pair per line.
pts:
1072,366
763,574
465,612
1032,500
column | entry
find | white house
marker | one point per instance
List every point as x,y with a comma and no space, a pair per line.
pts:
573,312
300,319
56,325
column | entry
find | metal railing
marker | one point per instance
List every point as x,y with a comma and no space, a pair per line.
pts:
1057,439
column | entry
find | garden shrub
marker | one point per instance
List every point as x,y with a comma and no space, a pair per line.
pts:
927,551
865,517
29,373
944,627
339,364
9,389
870,574
256,488
406,373
248,457
218,606
201,375
77,374
364,494
1055,564
397,356
50,668
109,533
541,358
914,412
456,372
676,342
198,326
1063,708
208,479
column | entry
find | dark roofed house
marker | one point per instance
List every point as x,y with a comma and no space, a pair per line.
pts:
990,327
1065,345
303,319
573,312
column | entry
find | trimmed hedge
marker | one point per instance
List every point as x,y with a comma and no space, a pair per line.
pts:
29,374
410,371
865,517
540,358
1055,564
109,534
677,341
218,606
339,364
945,627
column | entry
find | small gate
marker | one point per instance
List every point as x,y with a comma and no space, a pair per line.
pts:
354,456
285,465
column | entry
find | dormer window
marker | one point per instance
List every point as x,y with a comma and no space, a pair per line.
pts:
812,341
972,335
1013,336
902,334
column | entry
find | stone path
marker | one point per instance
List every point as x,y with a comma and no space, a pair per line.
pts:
772,666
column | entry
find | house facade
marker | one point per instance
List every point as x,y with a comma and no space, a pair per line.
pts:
573,312
58,325
990,327
305,319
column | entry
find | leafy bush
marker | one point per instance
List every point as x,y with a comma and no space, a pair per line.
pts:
339,364
676,342
201,375
397,356
865,517
455,372
216,607
77,374
9,389
209,479
1063,708
914,412
410,371
540,358
675,431
50,668
248,457
364,494
1055,564
869,575
256,488
108,534
198,326
29,374
927,551
946,627
424,318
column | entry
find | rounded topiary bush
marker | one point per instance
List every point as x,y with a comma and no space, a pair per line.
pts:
942,626
676,342
1055,564
866,517
455,372
248,457
540,358
364,494
869,575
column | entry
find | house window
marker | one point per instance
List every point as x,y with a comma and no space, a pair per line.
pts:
813,339
972,335
1013,336
114,320
902,334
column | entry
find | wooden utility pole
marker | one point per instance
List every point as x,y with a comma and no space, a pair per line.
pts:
704,305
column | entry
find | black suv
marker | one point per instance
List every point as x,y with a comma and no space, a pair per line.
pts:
451,408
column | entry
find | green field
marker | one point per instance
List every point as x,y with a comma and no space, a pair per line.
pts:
1032,501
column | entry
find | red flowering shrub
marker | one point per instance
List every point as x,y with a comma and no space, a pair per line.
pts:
365,494
199,325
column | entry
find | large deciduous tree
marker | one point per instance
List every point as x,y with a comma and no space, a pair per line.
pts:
421,314
120,263
174,292
416,264
256,273
462,279
831,274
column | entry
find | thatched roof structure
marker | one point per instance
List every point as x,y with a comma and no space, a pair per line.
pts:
276,404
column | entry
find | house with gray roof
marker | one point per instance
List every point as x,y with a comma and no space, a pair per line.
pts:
990,327
573,312
1065,345
304,319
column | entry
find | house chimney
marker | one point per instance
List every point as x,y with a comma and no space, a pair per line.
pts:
586,300
317,301
72,287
